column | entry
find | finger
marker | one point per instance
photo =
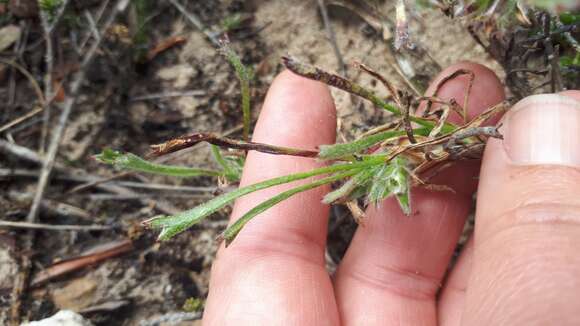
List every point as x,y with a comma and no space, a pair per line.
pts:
573,94
452,297
394,266
526,265
274,273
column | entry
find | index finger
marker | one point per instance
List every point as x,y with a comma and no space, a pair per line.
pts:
273,273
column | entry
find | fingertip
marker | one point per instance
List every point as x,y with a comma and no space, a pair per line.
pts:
452,296
575,94
487,89
278,257
297,112
527,216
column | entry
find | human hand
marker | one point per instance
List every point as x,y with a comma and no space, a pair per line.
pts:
520,267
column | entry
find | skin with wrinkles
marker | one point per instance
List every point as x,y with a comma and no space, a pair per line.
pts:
520,268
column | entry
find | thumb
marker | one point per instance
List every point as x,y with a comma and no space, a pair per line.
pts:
526,264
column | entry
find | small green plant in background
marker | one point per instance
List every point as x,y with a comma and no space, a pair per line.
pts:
245,75
231,22
50,8
133,162
193,305
232,165
141,37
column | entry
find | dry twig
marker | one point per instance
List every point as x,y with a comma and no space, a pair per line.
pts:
53,227
81,176
49,162
196,22
77,263
332,36
21,119
183,142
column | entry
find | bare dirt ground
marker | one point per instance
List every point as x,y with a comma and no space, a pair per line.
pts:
153,279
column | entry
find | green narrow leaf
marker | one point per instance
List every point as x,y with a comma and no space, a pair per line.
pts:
361,179
392,179
172,225
380,187
142,34
402,185
232,167
332,152
404,200
133,162
50,8
231,22
570,18
244,75
231,232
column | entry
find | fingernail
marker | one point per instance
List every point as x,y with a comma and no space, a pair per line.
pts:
543,129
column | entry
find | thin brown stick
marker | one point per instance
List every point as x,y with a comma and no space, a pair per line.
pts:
155,96
331,36
123,174
48,24
21,119
87,178
395,63
196,22
357,213
50,206
49,62
471,76
476,122
80,175
407,122
30,78
53,227
445,79
71,265
442,119
333,80
387,126
392,89
451,104
489,131
183,142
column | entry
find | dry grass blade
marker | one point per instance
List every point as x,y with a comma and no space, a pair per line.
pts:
463,130
52,227
443,81
331,36
390,87
402,27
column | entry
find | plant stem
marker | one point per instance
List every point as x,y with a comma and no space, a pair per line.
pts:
344,84
231,232
172,225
